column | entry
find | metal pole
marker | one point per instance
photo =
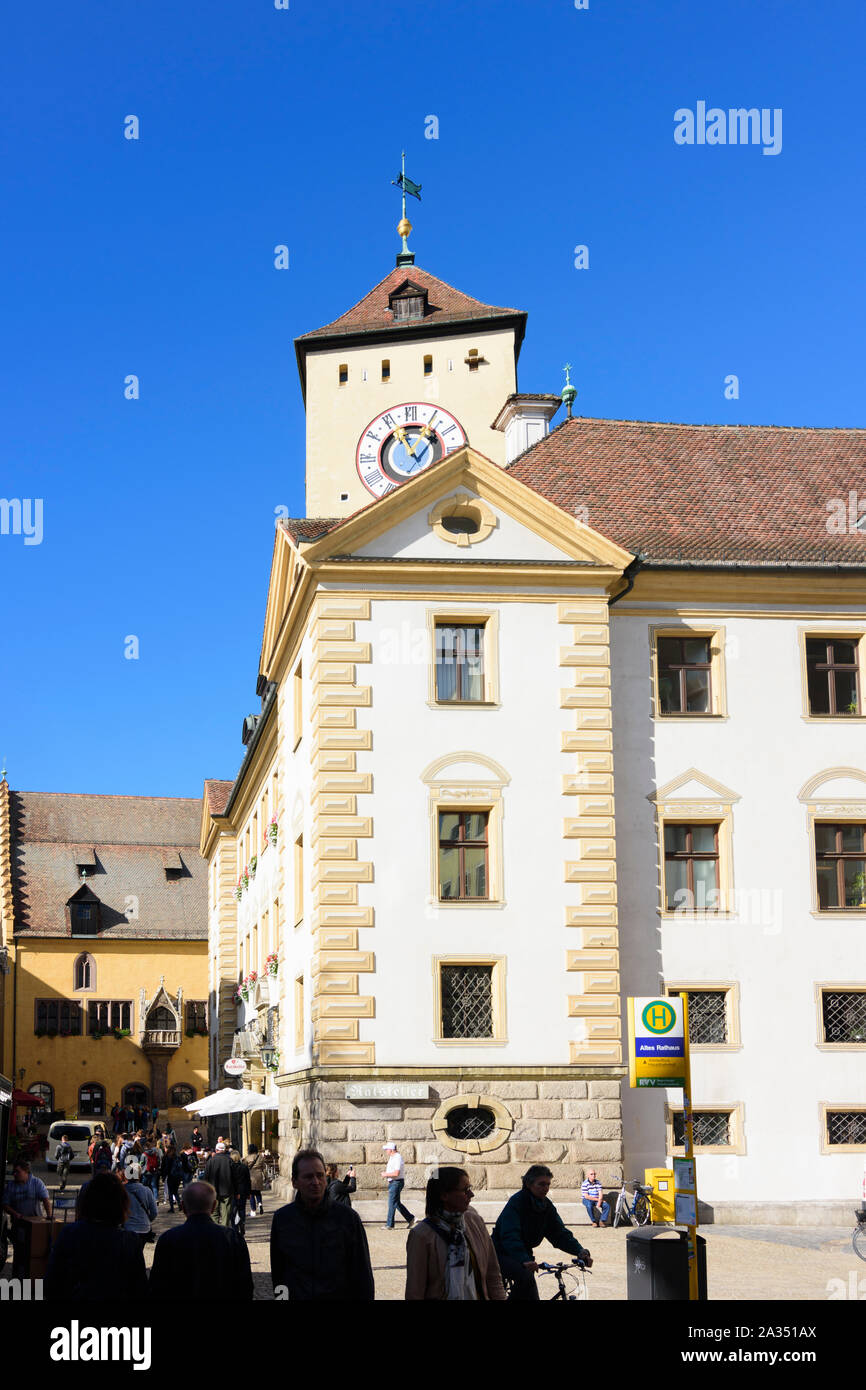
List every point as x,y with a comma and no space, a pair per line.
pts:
692,1240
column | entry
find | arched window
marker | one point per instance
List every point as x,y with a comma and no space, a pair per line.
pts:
181,1095
41,1088
134,1095
161,1018
84,972
91,1099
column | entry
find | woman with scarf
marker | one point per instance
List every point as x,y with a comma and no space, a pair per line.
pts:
449,1255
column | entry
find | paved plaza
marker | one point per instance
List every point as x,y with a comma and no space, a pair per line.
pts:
743,1262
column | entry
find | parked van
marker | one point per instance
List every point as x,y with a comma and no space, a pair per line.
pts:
79,1133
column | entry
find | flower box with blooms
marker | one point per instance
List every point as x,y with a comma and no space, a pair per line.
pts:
242,993
272,830
245,876
122,1032
240,888
272,964
253,865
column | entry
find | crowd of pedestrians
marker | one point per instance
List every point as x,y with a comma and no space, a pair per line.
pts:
318,1245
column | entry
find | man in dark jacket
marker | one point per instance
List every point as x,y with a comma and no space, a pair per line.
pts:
241,1189
200,1260
528,1218
218,1172
318,1248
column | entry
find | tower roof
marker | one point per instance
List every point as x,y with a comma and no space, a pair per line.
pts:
372,318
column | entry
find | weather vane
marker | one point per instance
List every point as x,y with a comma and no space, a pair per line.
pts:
404,226
569,392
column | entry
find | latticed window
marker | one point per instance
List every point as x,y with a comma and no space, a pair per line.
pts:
708,1015
831,673
460,659
463,854
709,1127
463,1123
181,1095
467,1001
846,1126
684,665
841,865
844,1014
691,867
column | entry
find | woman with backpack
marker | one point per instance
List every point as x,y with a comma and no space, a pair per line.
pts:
101,1158
151,1159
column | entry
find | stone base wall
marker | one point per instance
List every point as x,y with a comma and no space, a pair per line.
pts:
570,1125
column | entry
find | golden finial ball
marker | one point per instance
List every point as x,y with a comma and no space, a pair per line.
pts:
404,226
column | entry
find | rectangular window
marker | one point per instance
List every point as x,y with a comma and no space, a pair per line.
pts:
832,675
299,1013
463,851
61,1016
104,1015
840,855
299,880
843,1017
691,867
386,369
467,1001
428,365
196,1015
343,373
460,662
473,359
711,1129
684,675
708,1015
298,703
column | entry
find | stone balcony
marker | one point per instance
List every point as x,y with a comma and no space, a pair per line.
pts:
160,1039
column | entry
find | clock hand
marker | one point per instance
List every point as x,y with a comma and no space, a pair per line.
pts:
423,433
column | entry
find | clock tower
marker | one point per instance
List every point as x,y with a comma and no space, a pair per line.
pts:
410,374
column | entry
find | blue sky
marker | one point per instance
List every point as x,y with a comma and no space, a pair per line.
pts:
261,127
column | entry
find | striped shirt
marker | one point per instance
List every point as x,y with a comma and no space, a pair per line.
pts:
591,1191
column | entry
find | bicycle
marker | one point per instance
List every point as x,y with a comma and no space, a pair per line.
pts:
858,1240
559,1272
639,1211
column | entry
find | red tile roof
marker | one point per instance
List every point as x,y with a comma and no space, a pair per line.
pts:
444,305
216,794
706,494
131,836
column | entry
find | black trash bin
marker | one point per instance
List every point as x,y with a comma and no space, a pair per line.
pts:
657,1264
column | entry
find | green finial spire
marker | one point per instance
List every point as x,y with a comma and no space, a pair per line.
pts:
404,226
569,392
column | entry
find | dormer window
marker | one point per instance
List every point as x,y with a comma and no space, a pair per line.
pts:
408,302
172,865
85,862
84,913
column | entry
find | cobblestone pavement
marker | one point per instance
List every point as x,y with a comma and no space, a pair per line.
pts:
774,1263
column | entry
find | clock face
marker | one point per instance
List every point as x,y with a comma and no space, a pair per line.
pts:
404,440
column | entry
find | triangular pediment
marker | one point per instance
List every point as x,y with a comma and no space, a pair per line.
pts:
400,525
693,785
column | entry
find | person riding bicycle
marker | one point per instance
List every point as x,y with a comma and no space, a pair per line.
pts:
528,1218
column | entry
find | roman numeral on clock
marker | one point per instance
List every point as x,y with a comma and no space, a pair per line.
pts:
389,421
450,430
410,412
368,458
374,478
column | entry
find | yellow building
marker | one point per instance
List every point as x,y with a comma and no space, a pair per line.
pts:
105,925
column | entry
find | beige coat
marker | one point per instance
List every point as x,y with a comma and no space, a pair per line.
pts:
426,1254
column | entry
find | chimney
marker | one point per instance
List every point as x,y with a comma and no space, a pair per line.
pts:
525,419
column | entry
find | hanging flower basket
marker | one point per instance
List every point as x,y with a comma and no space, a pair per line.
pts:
272,963
253,865
240,889
272,830
245,876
